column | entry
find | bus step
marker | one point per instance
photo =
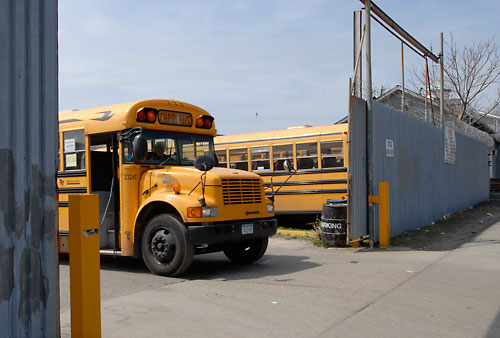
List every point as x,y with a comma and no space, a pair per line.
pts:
111,252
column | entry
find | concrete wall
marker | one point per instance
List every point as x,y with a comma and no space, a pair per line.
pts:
29,286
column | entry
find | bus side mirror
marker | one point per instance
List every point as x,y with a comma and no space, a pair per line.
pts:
204,163
288,166
140,147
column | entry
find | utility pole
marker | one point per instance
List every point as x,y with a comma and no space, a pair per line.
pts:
441,85
358,45
369,95
402,77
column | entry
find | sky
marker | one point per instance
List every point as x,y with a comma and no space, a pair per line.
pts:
255,65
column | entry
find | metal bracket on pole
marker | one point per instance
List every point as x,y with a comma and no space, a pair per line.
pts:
84,265
384,227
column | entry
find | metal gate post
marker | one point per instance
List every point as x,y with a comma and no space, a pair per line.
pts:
384,227
84,265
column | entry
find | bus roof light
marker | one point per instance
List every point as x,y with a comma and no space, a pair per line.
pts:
151,115
147,115
141,116
205,122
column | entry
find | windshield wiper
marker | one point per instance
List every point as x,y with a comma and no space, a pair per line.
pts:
164,161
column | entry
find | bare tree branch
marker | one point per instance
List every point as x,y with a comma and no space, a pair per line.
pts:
469,72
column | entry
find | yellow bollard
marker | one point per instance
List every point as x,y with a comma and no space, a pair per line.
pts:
384,227
84,266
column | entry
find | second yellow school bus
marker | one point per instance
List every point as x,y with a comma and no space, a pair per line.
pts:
316,157
151,163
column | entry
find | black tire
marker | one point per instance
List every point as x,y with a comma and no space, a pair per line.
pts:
249,251
166,247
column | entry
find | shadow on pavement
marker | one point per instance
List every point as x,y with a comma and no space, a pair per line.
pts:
494,330
213,266
114,263
207,268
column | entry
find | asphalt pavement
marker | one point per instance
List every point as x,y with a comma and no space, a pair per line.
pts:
299,290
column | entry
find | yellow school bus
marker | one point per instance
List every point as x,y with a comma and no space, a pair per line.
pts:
302,167
160,197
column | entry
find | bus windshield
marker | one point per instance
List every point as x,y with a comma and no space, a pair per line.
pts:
172,148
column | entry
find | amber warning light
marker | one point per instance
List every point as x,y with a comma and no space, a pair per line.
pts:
205,122
147,115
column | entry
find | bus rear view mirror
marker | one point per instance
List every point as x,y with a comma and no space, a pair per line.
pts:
140,147
288,166
204,163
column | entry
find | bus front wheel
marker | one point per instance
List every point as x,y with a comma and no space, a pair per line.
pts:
249,251
166,248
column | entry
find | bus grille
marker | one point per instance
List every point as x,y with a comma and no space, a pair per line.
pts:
241,191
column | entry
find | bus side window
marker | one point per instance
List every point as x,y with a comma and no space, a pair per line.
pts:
280,154
128,155
221,158
238,159
307,156
74,150
332,154
260,159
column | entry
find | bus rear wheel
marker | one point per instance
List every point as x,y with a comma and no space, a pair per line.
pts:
248,251
166,247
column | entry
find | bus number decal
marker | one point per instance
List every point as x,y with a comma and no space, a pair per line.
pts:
130,177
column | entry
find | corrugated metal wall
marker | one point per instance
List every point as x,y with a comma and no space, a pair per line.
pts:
357,169
423,188
29,286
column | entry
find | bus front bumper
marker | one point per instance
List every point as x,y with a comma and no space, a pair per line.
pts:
232,232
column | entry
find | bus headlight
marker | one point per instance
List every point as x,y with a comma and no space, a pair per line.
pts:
270,208
199,212
209,211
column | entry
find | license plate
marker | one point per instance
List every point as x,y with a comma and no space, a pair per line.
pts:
246,229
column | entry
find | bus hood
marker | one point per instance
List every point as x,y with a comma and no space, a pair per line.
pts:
188,178
237,194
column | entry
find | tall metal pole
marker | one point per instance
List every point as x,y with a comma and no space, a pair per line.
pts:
369,94
426,96
402,77
357,44
441,89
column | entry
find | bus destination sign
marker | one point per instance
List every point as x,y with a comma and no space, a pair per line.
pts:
175,118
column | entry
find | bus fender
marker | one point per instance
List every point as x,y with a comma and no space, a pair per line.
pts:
158,204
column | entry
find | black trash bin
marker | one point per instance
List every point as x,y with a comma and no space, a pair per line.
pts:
333,226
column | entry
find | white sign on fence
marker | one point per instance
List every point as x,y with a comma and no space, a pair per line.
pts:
450,145
389,148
